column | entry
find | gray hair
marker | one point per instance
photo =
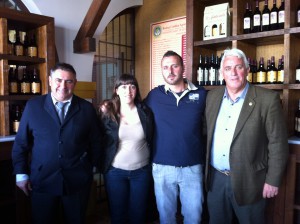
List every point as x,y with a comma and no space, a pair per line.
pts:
234,52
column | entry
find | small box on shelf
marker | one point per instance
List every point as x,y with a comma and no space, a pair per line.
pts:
216,21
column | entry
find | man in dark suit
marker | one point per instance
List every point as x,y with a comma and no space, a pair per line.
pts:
247,147
53,159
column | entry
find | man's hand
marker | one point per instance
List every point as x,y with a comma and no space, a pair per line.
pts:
25,186
269,191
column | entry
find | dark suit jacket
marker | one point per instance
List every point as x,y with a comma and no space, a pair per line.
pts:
61,156
259,148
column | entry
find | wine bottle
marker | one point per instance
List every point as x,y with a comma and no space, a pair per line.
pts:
13,81
32,47
35,83
250,75
298,73
280,73
274,17
254,71
200,72
206,70
212,71
265,17
281,15
297,121
25,83
256,19
10,45
247,20
261,72
272,72
16,118
25,44
18,46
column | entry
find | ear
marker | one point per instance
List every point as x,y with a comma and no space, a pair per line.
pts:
50,80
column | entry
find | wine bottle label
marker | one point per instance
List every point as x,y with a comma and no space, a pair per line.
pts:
10,49
13,87
15,126
273,19
265,19
19,50
261,77
256,20
272,76
206,75
200,76
247,23
297,124
298,16
249,77
281,17
35,87
212,74
280,76
25,87
32,51
298,74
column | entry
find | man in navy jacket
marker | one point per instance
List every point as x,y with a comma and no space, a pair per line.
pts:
53,160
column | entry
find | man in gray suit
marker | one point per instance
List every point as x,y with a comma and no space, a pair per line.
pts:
247,147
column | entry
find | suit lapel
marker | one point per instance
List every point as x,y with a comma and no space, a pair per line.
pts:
247,109
73,109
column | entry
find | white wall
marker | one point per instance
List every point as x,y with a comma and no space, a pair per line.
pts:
69,15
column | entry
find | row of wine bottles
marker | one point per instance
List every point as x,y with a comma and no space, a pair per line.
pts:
21,46
28,84
262,75
208,71
15,117
265,20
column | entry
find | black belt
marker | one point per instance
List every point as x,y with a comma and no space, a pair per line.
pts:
225,172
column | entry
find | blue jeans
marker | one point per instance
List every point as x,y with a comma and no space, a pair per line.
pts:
171,181
128,193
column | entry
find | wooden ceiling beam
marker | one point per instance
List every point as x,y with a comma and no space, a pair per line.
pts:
84,41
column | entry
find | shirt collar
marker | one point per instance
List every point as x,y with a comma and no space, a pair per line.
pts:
241,96
190,86
55,100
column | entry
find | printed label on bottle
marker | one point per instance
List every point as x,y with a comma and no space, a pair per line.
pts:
256,20
281,17
273,19
19,50
15,126
32,51
249,77
13,87
280,76
212,74
298,74
247,23
207,31
261,77
298,16
25,87
206,74
35,87
200,77
265,19
272,76
10,49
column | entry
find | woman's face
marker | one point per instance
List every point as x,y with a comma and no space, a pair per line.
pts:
126,93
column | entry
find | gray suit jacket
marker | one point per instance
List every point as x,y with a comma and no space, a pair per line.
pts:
259,148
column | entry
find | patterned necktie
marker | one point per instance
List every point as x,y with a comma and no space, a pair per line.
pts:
61,110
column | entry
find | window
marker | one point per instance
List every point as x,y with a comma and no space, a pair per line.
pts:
115,54
14,4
